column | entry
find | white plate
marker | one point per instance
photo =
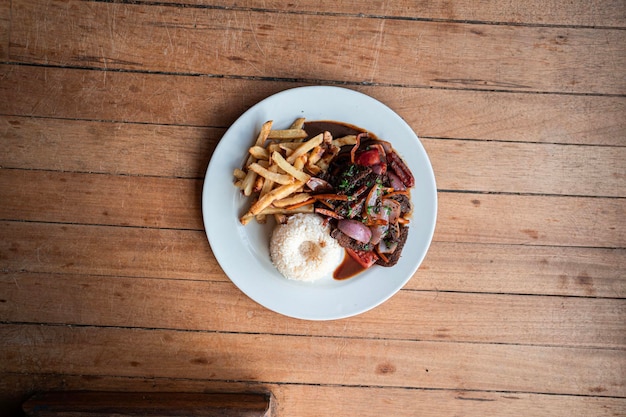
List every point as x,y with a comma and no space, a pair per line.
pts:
243,251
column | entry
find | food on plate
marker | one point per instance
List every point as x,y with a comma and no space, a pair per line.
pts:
353,182
302,248
372,221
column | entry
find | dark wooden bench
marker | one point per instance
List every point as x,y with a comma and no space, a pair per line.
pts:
100,404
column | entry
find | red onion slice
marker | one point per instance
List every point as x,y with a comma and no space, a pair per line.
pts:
396,182
355,229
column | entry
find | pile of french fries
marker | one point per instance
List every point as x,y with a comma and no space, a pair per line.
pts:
279,165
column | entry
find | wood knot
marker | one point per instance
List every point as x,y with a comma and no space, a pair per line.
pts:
385,368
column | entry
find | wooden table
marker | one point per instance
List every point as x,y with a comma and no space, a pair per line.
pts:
110,112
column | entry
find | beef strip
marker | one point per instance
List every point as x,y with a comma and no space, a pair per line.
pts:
394,257
346,241
350,179
405,202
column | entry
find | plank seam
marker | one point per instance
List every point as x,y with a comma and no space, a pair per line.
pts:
248,333
182,5
308,81
203,231
224,128
228,282
174,177
303,384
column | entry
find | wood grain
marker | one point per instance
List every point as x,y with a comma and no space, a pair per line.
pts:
256,44
522,269
199,101
278,358
463,217
111,111
97,250
553,12
184,152
220,306
107,148
528,167
184,254
5,28
531,220
103,199
315,400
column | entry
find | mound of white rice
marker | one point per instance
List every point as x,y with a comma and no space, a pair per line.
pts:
302,248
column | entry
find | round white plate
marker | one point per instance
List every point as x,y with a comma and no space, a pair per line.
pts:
243,251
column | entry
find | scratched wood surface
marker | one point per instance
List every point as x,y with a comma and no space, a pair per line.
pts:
110,112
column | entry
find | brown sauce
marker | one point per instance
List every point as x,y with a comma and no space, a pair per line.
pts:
336,129
347,268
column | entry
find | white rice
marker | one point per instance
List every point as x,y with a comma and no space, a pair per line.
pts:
303,250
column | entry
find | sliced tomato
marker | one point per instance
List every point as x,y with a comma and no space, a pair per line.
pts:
364,258
368,158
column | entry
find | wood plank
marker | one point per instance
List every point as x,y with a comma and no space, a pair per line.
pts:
5,28
145,252
256,44
182,151
522,269
127,97
103,199
220,306
292,359
315,400
528,167
531,220
185,254
107,148
462,217
553,12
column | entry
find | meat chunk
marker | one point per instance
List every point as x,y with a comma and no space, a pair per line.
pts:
394,257
346,241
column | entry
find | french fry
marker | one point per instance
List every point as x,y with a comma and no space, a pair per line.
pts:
298,123
345,140
273,176
291,200
305,147
280,218
300,162
268,184
265,201
287,134
277,212
265,163
276,194
259,152
239,174
281,210
248,183
258,184
315,155
289,169
263,134
313,169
